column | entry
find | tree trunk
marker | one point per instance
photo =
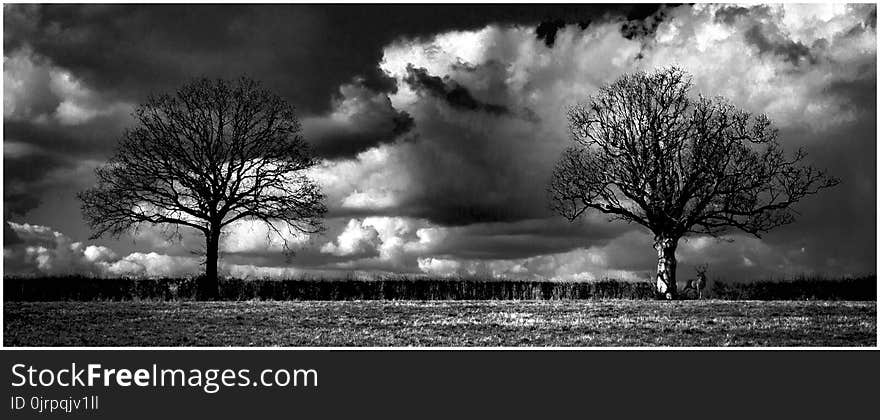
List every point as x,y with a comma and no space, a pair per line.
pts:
210,285
666,262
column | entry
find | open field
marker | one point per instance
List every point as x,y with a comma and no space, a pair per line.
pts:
442,323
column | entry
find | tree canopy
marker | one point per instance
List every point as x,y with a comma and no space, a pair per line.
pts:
213,153
645,151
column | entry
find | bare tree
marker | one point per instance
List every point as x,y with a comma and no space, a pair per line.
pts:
646,152
211,154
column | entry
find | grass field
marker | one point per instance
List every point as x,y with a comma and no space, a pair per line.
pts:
442,323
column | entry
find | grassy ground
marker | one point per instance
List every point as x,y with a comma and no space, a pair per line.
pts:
441,323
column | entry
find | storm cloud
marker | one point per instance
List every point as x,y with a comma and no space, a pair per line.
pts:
437,131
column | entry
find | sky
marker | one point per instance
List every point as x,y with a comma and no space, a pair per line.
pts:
436,130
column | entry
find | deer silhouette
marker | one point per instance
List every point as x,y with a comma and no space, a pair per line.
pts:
699,283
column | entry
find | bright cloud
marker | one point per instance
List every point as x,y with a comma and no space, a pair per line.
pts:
255,236
36,90
777,60
41,250
154,265
446,173
371,181
356,239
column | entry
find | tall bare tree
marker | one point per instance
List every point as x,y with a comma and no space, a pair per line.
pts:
647,152
213,153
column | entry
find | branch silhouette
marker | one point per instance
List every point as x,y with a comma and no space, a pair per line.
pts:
647,152
213,153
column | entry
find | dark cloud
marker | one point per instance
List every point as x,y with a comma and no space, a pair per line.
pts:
337,145
636,13
469,177
21,202
155,48
465,208
123,53
376,80
730,14
362,118
23,176
769,40
469,155
456,95
838,228
526,238
643,23
546,31
95,138
55,150
307,257
859,96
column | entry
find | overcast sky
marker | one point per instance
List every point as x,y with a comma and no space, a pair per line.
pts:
437,129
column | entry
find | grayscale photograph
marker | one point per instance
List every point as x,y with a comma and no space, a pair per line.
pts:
445,175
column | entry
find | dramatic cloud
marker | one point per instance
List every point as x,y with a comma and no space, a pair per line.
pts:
438,130
385,244
500,160
153,265
53,125
360,119
41,250
455,95
778,60
370,183
32,173
37,91
34,250
356,239
305,52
